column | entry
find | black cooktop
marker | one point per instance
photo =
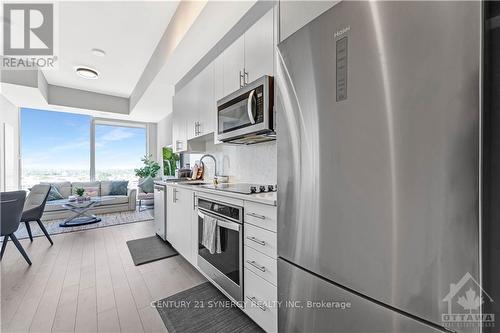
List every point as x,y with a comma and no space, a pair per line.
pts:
242,188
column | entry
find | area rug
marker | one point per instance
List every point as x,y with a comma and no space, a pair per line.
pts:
149,249
203,309
110,219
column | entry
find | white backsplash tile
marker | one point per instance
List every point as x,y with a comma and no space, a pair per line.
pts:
253,164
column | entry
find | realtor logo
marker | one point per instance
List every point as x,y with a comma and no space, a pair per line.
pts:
28,29
465,299
29,36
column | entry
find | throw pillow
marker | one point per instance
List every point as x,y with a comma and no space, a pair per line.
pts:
105,187
119,187
92,191
147,185
54,194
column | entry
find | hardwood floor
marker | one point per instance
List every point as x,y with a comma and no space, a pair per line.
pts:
87,282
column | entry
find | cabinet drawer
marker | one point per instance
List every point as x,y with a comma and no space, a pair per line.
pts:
260,239
263,216
260,301
260,264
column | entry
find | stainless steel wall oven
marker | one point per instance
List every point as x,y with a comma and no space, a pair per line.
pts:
224,268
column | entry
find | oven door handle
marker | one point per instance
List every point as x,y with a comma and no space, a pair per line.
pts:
249,107
222,223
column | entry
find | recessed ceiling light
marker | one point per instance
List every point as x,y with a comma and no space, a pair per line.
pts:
87,73
98,52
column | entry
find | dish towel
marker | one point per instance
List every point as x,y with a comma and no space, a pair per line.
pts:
211,235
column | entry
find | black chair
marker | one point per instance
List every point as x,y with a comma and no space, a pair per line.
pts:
33,208
11,209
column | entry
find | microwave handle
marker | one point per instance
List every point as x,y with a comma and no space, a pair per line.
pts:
249,107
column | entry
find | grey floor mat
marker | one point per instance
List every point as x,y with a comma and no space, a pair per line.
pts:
149,249
193,311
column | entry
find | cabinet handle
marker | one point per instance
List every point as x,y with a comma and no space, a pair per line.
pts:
256,240
178,144
262,217
199,126
255,301
242,78
194,201
174,195
254,264
245,78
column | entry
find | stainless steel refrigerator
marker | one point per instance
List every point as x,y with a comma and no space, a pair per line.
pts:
378,115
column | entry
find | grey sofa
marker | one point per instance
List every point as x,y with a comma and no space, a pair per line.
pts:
118,203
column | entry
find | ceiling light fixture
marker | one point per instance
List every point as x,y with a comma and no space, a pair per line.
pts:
98,52
87,73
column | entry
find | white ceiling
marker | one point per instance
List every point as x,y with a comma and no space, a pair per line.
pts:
216,19
127,31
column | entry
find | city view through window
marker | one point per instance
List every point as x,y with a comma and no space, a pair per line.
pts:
55,147
118,151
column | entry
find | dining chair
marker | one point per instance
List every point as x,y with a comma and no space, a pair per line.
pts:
11,209
33,209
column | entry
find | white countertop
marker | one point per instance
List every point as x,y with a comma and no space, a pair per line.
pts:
267,198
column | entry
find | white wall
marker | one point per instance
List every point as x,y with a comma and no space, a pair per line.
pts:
295,14
9,165
152,139
244,164
164,135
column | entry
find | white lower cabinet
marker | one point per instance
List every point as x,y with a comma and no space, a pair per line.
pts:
194,230
261,240
259,250
261,271
261,301
179,221
260,215
262,265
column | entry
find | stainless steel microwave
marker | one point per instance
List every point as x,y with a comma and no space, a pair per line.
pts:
246,115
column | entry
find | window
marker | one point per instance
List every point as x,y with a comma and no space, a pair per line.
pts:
118,151
55,147
58,146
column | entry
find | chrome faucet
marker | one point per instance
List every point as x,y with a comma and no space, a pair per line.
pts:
215,162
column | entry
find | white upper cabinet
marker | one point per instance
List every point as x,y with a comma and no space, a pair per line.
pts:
191,90
206,101
218,91
218,78
245,60
179,134
199,104
233,59
259,48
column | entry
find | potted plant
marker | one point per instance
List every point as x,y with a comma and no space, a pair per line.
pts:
170,160
150,168
80,191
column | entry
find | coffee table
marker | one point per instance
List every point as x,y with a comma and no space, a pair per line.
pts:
80,210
